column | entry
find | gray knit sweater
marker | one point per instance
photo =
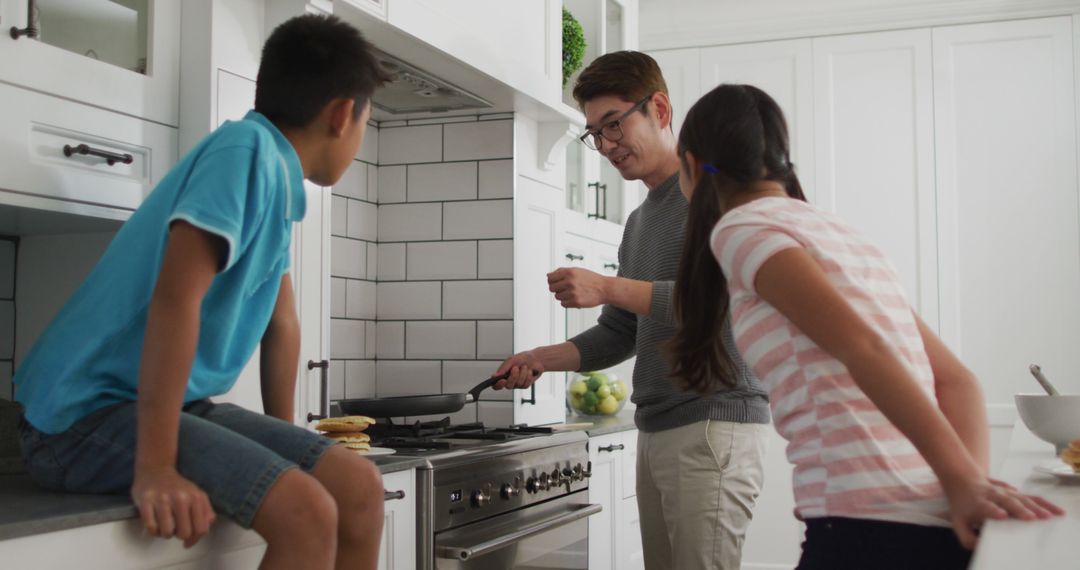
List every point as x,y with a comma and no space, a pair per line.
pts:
650,251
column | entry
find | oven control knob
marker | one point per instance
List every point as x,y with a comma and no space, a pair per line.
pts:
532,485
509,491
568,475
480,498
545,481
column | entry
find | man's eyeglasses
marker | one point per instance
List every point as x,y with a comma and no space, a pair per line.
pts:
611,130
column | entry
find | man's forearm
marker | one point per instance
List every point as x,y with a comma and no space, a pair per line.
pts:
630,295
559,357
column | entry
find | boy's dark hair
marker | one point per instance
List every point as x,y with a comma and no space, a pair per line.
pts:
740,132
309,61
628,75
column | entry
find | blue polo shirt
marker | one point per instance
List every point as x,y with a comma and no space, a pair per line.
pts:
244,183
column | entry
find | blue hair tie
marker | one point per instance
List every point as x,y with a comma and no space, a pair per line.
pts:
710,168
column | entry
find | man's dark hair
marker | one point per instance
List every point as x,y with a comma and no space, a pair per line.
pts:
628,75
309,61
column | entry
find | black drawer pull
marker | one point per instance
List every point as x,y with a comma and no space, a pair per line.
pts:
573,257
111,158
30,30
392,495
613,266
612,447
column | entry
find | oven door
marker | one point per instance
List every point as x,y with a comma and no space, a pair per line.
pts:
549,535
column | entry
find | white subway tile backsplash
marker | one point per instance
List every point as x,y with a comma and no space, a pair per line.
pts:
440,339
410,222
348,258
392,184
373,184
391,262
478,300
407,377
360,299
496,259
464,376
391,339
372,260
369,149
478,220
466,415
353,183
339,210
449,181
347,339
496,179
337,297
494,339
441,260
360,379
363,220
406,145
7,269
413,300
496,413
478,141
370,336
335,380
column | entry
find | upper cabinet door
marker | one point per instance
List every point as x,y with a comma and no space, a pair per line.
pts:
874,129
682,73
781,69
121,55
1005,133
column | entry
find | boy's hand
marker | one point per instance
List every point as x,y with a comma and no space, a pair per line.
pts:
971,505
170,505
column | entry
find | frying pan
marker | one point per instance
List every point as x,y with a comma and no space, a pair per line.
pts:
397,406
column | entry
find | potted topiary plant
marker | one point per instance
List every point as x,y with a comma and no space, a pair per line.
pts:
573,45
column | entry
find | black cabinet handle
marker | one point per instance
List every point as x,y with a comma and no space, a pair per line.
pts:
612,447
392,495
30,30
599,187
111,158
573,257
324,400
612,266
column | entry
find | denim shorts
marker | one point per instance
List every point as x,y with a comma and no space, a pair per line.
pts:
233,454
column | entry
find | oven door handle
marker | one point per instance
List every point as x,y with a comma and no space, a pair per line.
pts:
578,512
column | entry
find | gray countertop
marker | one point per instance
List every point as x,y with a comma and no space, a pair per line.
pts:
622,421
26,509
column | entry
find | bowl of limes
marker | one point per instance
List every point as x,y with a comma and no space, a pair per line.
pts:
595,394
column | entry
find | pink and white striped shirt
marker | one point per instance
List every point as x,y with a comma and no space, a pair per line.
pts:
849,460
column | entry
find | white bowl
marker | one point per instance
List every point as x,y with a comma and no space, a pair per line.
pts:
1055,419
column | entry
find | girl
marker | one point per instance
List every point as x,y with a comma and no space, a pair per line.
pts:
886,428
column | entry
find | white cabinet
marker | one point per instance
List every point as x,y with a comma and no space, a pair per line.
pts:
398,548
682,73
783,70
614,532
119,55
538,317
880,179
44,138
1005,139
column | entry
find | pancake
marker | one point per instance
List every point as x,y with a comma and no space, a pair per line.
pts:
344,424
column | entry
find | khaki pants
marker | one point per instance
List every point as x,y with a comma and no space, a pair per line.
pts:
696,488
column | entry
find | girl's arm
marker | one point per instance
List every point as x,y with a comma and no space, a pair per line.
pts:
794,283
959,397
280,355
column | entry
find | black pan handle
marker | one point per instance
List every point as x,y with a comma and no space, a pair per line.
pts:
475,392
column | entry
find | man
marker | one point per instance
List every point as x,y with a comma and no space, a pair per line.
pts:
699,456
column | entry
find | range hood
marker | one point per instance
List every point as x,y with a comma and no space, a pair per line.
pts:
413,90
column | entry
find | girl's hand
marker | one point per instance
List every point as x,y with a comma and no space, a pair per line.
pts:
970,505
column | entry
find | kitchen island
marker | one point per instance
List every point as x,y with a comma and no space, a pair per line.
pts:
1048,544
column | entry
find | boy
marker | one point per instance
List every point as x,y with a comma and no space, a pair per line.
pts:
117,389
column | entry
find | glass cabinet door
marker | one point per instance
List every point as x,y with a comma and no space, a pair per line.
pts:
121,55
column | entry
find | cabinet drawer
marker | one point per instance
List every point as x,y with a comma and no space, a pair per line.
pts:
39,127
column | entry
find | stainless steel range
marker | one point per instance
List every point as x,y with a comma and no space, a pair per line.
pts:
504,498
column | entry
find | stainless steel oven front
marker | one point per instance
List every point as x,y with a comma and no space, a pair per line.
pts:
549,535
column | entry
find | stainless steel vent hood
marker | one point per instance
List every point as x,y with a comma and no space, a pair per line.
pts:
415,91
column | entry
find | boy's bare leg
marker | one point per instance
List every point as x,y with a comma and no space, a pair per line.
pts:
299,520
356,486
